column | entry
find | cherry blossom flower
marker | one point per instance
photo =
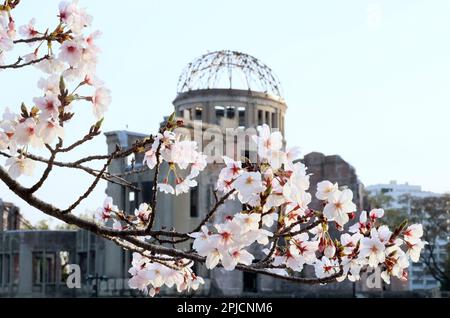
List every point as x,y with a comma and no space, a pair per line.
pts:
291,259
362,225
184,185
291,155
229,234
49,129
90,41
165,187
143,212
248,184
298,202
236,256
73,16
92,80
414,250
181,152
267,141
339,205
376,214
199,164
306,249
28,30
150,158
269,218
49,105
51,65
20,166
350,242
104,213
413,233
383,233
213,258
27,133
4,141
6,43
232,169
326,267
202,240
351,269
329,250
373,250
49,85
101,101
247,222
71,52
299,178
325,189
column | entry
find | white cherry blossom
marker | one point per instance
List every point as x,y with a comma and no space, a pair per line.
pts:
339,205
20,166
248,184
325,189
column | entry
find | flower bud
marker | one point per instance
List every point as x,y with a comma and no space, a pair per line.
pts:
329,251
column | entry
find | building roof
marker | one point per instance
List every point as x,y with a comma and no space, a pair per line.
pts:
229,69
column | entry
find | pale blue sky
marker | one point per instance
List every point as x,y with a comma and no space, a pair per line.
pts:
368,80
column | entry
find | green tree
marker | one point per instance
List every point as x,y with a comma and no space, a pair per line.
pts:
434,214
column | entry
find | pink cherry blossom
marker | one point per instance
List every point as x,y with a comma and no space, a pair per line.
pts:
101,100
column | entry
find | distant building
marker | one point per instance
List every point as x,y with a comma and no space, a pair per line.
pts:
419,277
10,217
399,191
334,169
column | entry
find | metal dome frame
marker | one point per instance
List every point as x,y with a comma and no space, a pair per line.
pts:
206,71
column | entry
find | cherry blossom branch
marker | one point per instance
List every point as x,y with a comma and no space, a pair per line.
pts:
89,190
304,230
107,233
47,170
18,65
213,210
155,188
247,268
71,219
35,39
106,176
80,142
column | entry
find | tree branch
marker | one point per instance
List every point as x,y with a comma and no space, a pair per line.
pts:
18,65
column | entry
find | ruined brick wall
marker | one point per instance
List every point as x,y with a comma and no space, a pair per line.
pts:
334,169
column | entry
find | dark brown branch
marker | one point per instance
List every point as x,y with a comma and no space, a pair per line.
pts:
68,218
305,229
93,172
213,210
155,188
78,143
274,242
89,190
18,65
49,168
31,40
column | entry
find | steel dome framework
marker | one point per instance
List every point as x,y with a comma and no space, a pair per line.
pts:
229,69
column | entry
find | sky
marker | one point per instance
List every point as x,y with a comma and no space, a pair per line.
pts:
368,80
